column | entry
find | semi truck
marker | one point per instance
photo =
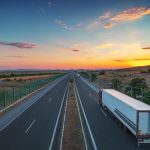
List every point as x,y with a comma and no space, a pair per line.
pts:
132,113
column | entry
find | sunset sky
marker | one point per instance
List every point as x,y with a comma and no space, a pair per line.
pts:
65,34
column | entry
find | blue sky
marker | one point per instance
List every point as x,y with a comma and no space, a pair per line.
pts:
54,26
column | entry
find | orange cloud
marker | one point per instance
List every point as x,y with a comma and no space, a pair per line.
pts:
130,14
108,25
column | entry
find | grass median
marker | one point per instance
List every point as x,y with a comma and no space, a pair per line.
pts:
72,135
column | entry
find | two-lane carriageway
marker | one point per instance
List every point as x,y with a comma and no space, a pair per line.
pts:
35,128
106,132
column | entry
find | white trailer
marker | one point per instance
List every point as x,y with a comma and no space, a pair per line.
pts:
133,114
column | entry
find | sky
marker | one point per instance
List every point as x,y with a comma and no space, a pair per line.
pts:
74,34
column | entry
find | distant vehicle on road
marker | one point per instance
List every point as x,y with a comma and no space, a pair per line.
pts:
131,113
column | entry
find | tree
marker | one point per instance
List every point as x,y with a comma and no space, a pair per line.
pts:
12,75
93,77
146,97
148,70
136,87
115,83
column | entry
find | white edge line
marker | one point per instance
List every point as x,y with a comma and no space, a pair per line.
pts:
64,120
30,126
103,112
56,124
17,101
91,135
25,109
85,141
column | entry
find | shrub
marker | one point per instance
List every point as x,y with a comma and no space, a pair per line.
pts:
102,72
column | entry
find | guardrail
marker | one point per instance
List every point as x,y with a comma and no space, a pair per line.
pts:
11,95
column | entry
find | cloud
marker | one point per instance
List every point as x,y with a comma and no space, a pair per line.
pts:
15,56
108,25
50,3
130,14
63,24
135,59
93,25
19,45
75,50
105,16
146,48
121,60
141,59
105,45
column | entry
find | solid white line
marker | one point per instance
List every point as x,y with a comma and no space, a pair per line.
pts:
30,126
85,141
64,120
58,117
103,112
53,85
91,135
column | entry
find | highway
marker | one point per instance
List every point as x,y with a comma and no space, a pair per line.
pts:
35,128
106,132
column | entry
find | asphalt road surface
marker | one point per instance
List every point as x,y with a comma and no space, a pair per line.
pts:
106,132
33,129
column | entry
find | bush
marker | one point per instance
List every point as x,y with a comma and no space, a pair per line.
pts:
20,80
7,80
12,75
102,72
115,83
143,72
135,86
146,97
93,77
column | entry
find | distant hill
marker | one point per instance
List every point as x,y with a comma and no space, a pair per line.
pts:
138,68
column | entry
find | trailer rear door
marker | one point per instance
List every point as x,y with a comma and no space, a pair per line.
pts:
100,97
143,124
